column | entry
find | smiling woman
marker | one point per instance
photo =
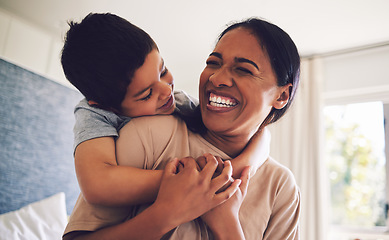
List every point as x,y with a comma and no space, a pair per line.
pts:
241,91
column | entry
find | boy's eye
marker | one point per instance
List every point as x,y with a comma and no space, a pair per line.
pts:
164,72
148,95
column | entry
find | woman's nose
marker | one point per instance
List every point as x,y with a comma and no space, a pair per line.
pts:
221,78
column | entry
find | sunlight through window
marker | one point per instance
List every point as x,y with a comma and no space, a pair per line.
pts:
355,157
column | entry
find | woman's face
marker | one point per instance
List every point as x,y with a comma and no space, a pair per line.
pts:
238,87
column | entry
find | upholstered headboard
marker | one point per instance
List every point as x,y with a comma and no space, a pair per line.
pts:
36,138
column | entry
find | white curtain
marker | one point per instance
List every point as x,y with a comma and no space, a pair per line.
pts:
297,144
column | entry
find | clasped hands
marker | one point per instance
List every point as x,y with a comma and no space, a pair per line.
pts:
203,188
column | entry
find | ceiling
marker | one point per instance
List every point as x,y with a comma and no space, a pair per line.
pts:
316,26
185,31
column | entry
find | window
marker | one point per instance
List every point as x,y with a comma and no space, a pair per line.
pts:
356,162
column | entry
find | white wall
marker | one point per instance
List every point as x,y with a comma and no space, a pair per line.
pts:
38,50
31,47
357,76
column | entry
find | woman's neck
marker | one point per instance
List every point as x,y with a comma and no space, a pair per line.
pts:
231,145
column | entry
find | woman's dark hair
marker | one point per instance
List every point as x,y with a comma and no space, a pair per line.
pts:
283,55
101,54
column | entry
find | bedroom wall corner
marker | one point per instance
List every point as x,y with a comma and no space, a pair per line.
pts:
31,47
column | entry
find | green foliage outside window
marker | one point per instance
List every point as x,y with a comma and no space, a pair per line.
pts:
357,174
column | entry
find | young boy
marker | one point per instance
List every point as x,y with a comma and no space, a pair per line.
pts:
118,68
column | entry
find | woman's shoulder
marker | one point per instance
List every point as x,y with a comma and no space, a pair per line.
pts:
278,173
155,123
156,129
145,140
276,166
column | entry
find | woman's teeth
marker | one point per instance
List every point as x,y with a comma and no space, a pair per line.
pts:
219,101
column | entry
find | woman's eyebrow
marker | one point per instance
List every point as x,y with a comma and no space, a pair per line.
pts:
237,59
216,54
245,60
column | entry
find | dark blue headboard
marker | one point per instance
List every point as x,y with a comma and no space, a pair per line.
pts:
36,138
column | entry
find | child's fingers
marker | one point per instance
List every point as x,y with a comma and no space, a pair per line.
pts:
189,163
171,167
180,167
220,164
201,161
210,167
224,178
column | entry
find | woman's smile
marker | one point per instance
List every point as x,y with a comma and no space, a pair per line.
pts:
221,103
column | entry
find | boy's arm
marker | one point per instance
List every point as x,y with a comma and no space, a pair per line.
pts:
254,155
183,196
104,182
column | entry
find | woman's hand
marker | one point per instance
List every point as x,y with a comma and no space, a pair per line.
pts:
223,220
191,192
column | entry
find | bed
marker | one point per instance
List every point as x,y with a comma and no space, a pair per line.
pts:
38,185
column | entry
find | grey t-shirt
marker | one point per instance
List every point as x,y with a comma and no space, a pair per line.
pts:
93,122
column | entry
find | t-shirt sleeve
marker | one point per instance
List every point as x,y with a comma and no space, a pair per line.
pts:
286,210
93,123
185,104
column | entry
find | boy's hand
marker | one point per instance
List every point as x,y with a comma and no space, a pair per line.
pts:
202,161
191,192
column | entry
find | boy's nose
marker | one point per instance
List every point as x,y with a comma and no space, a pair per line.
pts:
166,90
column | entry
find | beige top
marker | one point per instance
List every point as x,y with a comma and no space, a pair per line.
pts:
270,209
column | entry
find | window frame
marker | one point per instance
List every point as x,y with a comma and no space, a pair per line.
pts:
377,93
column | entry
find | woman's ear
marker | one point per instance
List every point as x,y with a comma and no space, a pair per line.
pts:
283,97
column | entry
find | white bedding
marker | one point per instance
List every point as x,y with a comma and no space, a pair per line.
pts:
42,220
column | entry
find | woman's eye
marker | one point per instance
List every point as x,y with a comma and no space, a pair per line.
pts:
212,63
244,70
164,72
148,96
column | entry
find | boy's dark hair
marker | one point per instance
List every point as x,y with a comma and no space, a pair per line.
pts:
101,54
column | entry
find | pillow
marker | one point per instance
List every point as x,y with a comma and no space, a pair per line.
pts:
45,219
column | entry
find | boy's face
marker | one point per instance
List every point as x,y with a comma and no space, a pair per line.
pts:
151,89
